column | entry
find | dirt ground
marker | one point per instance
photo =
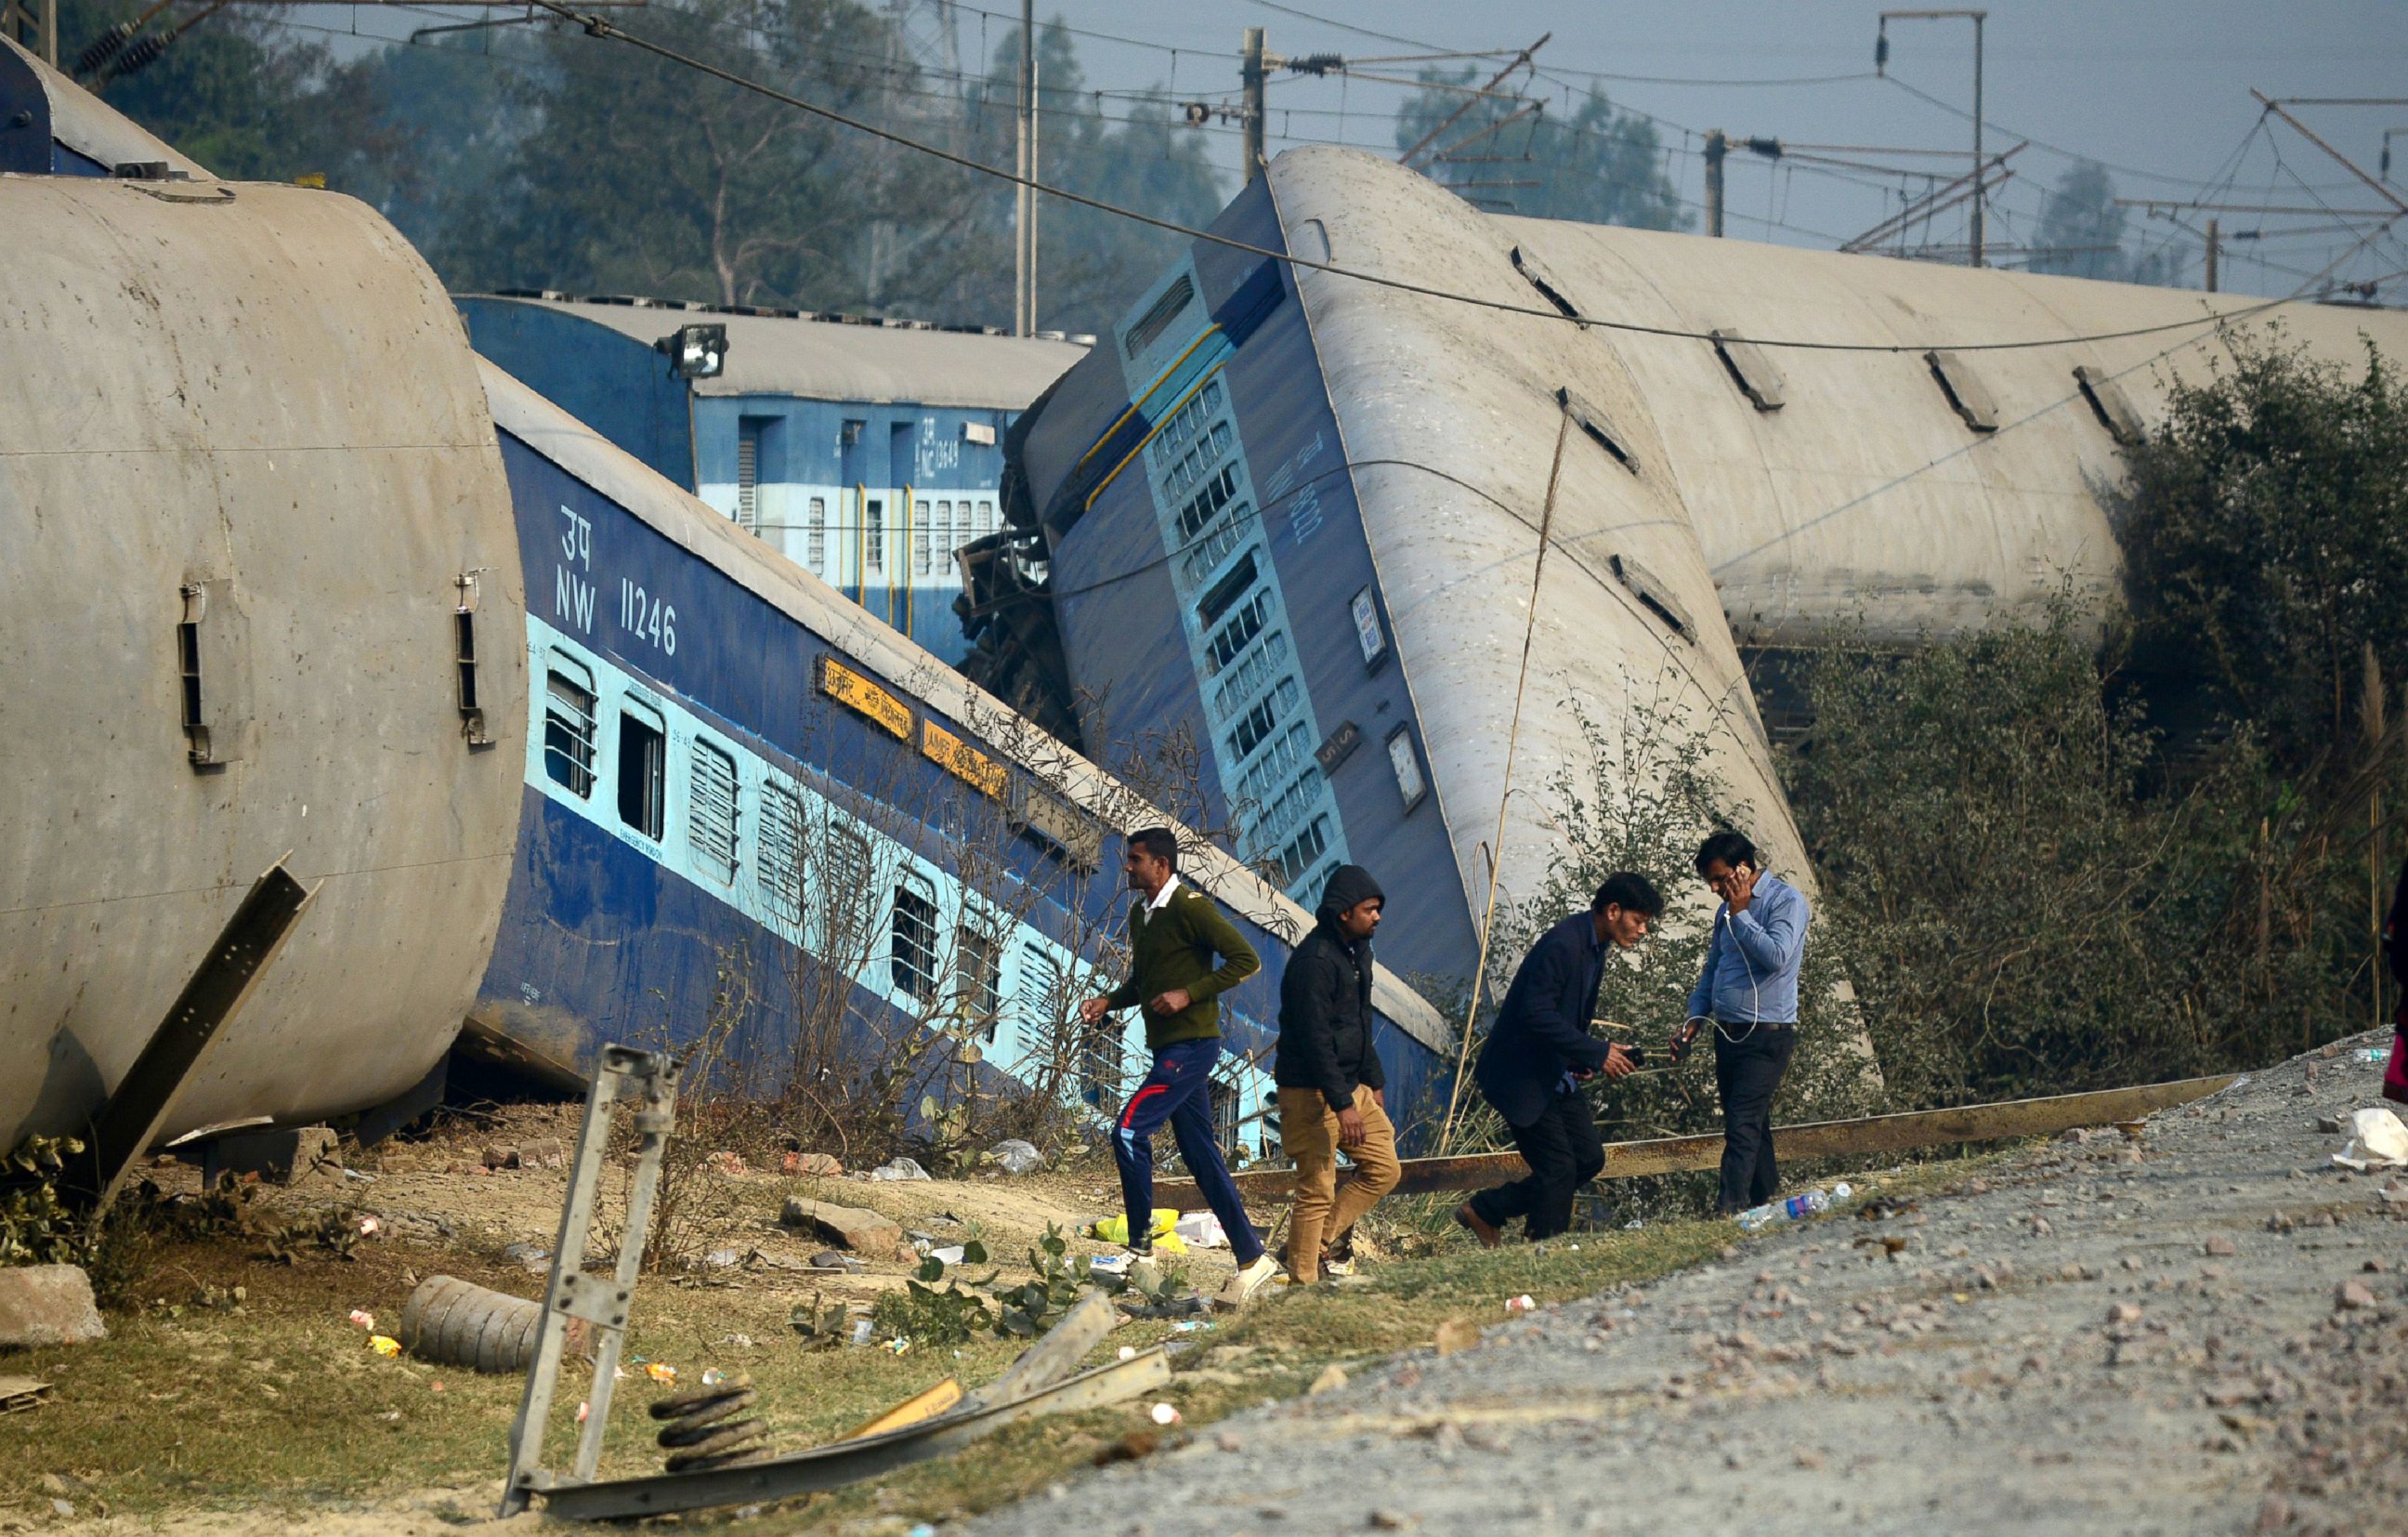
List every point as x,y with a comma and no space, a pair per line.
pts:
2197,1328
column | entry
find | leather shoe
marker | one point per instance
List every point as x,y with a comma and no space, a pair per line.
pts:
1480,1228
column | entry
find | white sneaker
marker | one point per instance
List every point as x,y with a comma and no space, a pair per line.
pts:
1241,1286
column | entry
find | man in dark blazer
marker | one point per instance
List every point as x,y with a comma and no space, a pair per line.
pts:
1539,1052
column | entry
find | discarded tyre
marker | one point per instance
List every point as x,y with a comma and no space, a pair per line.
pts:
701,1434
458,1323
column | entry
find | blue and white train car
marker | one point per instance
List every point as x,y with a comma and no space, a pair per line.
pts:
743,794
867,451
1300,513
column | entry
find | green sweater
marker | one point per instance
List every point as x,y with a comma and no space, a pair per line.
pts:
1175,949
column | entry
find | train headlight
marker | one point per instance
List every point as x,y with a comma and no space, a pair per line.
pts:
696,352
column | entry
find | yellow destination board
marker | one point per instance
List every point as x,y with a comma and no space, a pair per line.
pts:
961,760
854,691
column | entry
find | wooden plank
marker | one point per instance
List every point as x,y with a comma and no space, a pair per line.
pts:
926,1405
1994,1122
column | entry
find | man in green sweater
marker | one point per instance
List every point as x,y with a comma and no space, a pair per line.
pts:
1175,933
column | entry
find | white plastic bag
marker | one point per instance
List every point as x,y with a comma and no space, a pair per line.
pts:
1202,1229
2377,1140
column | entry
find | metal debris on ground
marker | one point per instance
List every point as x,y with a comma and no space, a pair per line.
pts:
702,1431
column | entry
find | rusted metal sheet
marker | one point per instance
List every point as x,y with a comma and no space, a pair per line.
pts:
1995,1122
225,978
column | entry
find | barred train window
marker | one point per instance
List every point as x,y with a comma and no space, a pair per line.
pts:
978,978
919,538
1036,1000
818,556
943,530
568,726
850,904
911,950
710,813
643,769
873,523
781,853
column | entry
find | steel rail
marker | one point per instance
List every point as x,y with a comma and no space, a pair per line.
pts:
846,1462
1894,1133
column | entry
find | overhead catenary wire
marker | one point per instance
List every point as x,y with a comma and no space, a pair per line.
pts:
601,27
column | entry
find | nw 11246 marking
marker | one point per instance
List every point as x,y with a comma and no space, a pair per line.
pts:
647,618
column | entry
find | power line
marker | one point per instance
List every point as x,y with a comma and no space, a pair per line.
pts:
601,27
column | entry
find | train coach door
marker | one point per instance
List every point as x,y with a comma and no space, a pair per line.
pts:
848,565
900,459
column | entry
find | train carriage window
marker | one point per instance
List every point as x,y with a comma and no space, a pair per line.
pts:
943,530
748,472
569,726
643,769
985,519
912,947
978,979
781,853
1037,1001
710,811
873,527
1224,1117
920,532
818,529
849,902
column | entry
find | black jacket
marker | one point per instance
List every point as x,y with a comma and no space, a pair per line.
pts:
1324,1036
1542,1031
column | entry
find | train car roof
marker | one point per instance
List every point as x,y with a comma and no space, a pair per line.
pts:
1692,518
808,357
84,124
769,576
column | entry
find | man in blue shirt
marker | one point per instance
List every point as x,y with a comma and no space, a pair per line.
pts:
1749,994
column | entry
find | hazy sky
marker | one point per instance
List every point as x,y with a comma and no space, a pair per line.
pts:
2156,90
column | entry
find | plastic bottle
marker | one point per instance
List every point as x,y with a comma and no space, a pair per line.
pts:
1795,1209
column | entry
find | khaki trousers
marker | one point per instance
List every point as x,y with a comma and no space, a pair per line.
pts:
1309,1133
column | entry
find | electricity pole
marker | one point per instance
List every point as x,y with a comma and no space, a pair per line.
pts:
2210,255
1251,72
1716,147
1881,65
1023,223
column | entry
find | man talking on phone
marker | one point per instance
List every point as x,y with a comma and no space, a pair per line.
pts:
1748,993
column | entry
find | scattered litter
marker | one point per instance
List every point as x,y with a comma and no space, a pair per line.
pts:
900,1345
2373,1056
723,1259
950,1254
355,1174
1190,1326
1796,1209
533,1257
1519,1304
829,1260
741,1342
2377,1140
660,1372
1015,1157
370,1225
898,1168
1201,1228
384,1345
1114,1228
861,1332
362,1317
1129,1353
1164,1414
923,1529
618,1373
1842,1191
712,1377
1633,1226
584,1409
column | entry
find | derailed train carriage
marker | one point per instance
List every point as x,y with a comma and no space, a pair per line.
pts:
564,755
1298,513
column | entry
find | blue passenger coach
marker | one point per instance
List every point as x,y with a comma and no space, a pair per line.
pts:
1208,568
867,451
741,792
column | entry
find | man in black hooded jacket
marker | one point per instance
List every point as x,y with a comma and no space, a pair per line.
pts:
1332,1094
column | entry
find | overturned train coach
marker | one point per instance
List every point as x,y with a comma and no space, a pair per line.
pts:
563,754
1298,513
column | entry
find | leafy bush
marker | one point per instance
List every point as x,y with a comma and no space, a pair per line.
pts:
2265,530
